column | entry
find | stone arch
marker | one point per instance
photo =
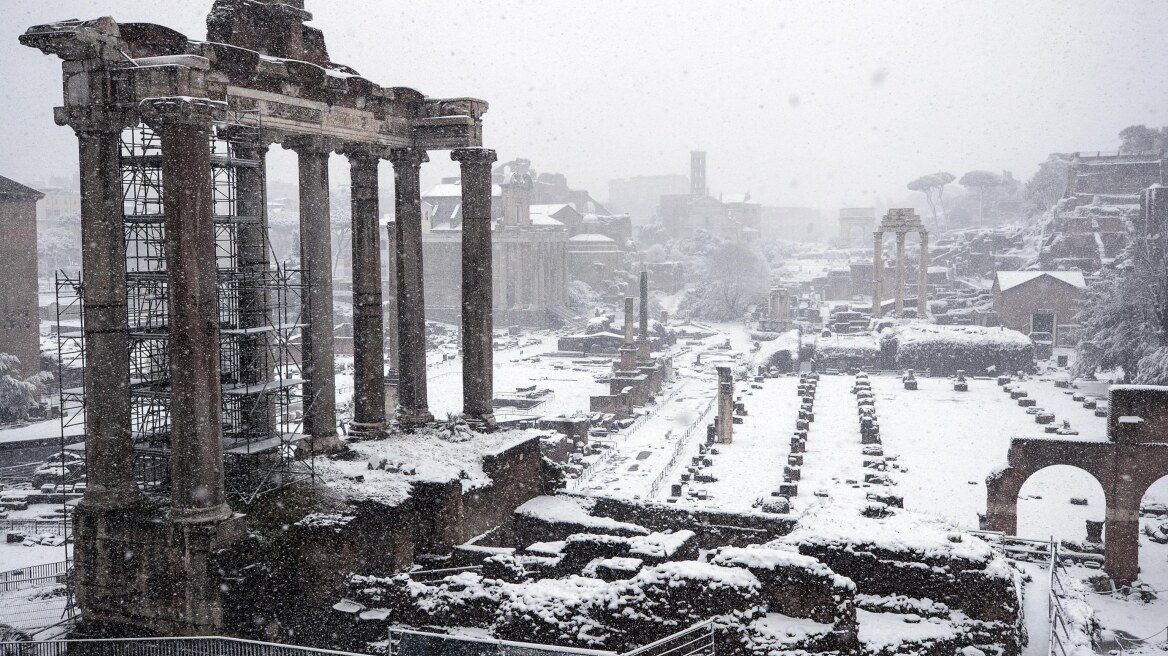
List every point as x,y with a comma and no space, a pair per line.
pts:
1054,516
1028,456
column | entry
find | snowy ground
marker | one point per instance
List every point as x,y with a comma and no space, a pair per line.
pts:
941,445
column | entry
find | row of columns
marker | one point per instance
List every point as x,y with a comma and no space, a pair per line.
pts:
408,342
878,273
184,126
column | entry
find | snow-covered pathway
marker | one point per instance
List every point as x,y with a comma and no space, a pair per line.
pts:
833,463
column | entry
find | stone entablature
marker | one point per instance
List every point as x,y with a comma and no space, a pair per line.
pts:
119,66
901,221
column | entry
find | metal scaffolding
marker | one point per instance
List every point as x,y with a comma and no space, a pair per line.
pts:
259,322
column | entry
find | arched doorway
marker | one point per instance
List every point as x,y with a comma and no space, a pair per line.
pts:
1153,556
1057,501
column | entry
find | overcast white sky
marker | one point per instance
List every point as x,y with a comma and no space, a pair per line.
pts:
825,104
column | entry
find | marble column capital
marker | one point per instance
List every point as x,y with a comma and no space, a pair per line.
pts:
197,113
309,144
94,119
470,156
408,157
358,151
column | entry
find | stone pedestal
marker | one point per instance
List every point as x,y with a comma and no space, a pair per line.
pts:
136,571
368,328
477,353
413,408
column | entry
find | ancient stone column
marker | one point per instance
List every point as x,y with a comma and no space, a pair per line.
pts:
389,303
477,355
368,328
628,321
255,356
196,434
318,360
725,405
390,296
784,309
628,351
109,451
923,277
877,272
413,408
900,274
644,346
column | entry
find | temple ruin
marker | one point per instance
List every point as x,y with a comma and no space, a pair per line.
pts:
900,221
201,353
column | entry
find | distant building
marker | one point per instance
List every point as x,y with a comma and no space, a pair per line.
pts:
548,188
529,260
58,202
793,224
19,316
1040,302
640,196
856,225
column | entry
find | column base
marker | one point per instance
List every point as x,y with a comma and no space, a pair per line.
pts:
319,444
644,350
99,500
370,431
217,513
414,417
480,422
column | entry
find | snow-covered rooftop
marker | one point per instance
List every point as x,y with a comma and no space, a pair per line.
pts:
1010,279
591,236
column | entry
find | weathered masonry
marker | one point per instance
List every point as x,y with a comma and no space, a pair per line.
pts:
1126,464
900,221
182,301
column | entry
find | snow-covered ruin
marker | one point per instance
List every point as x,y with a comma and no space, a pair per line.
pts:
675,422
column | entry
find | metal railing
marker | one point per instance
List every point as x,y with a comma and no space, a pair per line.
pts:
198,646
1055,614
33,576
679,448
697,640
36,526
407,642
1012,546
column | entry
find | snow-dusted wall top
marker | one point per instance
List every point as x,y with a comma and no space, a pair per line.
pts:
927,333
